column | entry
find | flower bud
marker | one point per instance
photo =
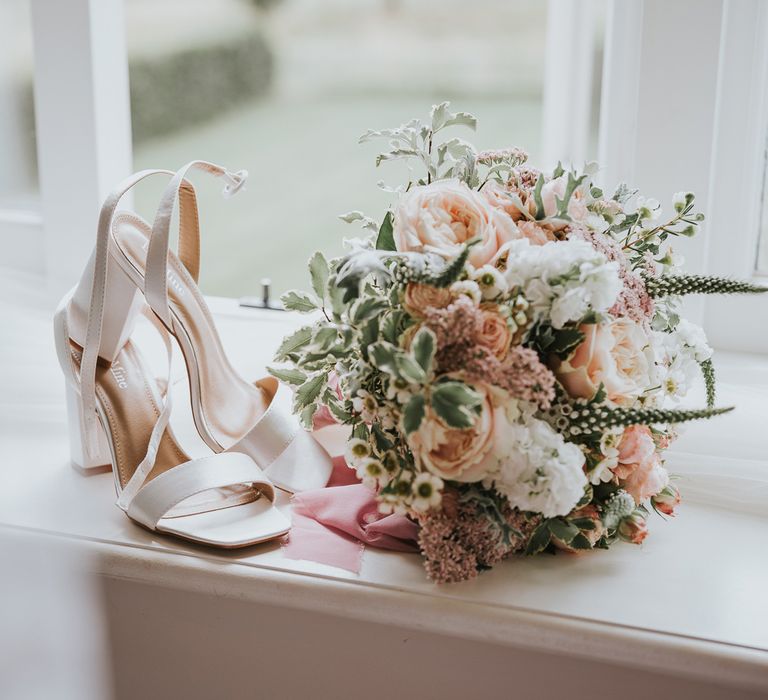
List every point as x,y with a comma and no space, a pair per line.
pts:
633,528
666,500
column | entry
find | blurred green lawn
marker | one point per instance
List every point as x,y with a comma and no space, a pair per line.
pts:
306,167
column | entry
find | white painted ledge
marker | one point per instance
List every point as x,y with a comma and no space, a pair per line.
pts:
690,601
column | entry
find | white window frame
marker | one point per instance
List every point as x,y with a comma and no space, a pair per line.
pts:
83,121
736,178
83,135
667,125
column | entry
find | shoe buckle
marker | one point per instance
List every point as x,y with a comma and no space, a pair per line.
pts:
235,182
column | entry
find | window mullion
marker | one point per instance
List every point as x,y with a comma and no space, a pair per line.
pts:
82,108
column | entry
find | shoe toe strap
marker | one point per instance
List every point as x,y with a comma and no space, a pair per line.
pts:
281,447
167,490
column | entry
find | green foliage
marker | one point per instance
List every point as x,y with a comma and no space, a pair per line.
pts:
299,301
571,186
416,140
455,403
423,348
293,343
288,375
708,372
556,341
385,239
414,413
584,422
318,272
539,540
680,285
563,530
309,391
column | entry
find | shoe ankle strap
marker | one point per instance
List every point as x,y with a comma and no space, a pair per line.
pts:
156,275
91,342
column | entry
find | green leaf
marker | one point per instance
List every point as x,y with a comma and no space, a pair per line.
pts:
323,338
307,415
383,443
454,402
561,342
537,198
299,301
335,295
540,540
566,340
369,335
441,118
288,375
308,392
295,341
414,413
367,308
360,431
563,530
383,356
318,271
584,523
580,542
390,325
331,400
423,348
386,239
409,369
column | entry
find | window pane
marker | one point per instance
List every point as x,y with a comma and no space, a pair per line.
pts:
762,249
18,164
285,87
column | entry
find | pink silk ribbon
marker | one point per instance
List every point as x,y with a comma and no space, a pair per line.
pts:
334,524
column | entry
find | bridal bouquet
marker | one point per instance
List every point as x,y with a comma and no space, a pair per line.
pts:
507,349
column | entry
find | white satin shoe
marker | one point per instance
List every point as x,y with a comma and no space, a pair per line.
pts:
118,416
230,413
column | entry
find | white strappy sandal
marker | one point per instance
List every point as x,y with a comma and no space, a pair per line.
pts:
231,414
119,417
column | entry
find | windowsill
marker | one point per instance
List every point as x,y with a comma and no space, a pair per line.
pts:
647,606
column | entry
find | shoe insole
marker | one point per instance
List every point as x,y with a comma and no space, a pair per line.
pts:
230,406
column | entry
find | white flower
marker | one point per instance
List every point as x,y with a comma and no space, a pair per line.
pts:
537,470
427,492
371,472
609,447
563,280
399,390
355,451
365,404
680,200
692,337
491,282
678,355
648,208
467,288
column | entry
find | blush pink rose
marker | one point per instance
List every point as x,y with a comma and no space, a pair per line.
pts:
640,469
453,454
536,233
494,332
497,195
554,190
612,354
440,217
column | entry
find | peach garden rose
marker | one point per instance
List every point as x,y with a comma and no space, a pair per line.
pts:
453,453
613,354
494,331
419,297
440,217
